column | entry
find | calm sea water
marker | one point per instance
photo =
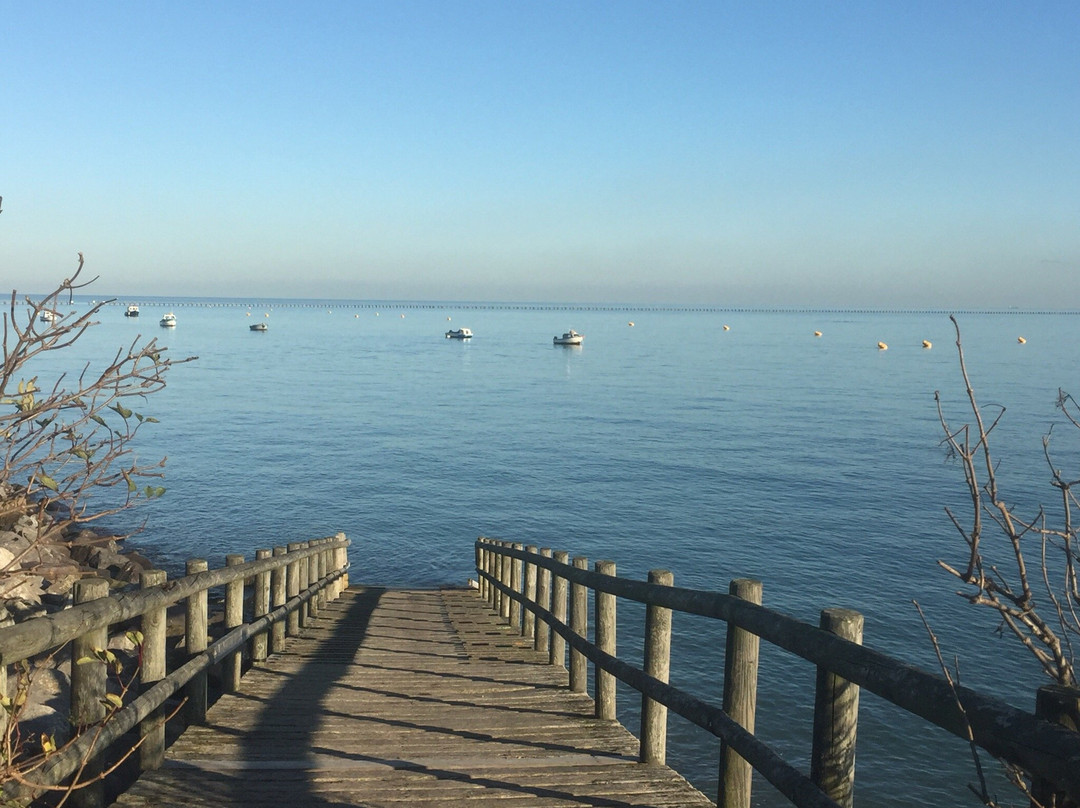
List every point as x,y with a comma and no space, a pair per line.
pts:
813,464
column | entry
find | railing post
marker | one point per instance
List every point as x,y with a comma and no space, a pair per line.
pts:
559,594
324,570
479,561
1061,705
292,589
505,573
305,582
542,631
278,596
579,625
341,559
515,586
234,618
605,641
195,642
740,699
528,617
493,568
88,683
836,717
153,669
312,579
260,607
657,664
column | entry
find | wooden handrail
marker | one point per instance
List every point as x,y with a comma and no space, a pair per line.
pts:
326,565
1045,750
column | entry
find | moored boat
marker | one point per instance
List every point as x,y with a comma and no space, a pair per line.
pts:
259,327
48,316
460,333
571,337
169,320
132,311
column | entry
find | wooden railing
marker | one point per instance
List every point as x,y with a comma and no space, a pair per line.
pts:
546,595
288,587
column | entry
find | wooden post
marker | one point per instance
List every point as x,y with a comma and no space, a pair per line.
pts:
234,618
260,608
559,594
292,589
277,598
740,699
542,632
1061,705
528,617
605,641
195,642
154,652
579,625
312,579
324,570
515,585
657,664
88,683
479,561
305,581
505,573
836,716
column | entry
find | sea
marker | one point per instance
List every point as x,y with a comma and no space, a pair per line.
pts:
715,443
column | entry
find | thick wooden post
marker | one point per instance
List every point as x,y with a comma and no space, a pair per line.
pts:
836,716
542,632
505,574
234,618
278,589
515,585
479,561
260,607
579,625
341,561
195,642
1061,705
88,682
657,664
559,594
153,669
305,581
740,699
528,617
312,579
324,570
605,641
292,589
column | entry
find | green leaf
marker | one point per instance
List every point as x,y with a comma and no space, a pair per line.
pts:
47,481
124,412
86,660
98,419
113,699
135,637
150,420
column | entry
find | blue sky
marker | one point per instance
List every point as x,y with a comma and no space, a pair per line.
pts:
752,153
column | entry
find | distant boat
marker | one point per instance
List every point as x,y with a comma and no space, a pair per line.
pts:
169,320
460,333
132,311
259,327
571,337
48,316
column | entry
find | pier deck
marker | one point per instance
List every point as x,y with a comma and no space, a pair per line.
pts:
407,698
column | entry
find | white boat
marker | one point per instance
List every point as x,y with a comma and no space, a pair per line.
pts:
48,316
460,333
169,320
259,327
571,337
132,311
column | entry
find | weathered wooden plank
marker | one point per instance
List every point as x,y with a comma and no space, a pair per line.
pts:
394,698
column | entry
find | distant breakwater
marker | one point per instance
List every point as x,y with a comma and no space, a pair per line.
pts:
378,305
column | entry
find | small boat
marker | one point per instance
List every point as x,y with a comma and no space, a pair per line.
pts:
259,327
571,337
460,333
132,311
169,320
48,316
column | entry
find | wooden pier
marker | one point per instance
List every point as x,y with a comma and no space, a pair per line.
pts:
407,698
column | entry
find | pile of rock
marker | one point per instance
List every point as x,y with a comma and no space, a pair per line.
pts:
40,563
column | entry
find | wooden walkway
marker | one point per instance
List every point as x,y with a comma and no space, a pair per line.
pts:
407,698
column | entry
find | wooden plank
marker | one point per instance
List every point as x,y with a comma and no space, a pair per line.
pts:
402,698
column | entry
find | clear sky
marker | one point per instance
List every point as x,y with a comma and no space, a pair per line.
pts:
909,153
